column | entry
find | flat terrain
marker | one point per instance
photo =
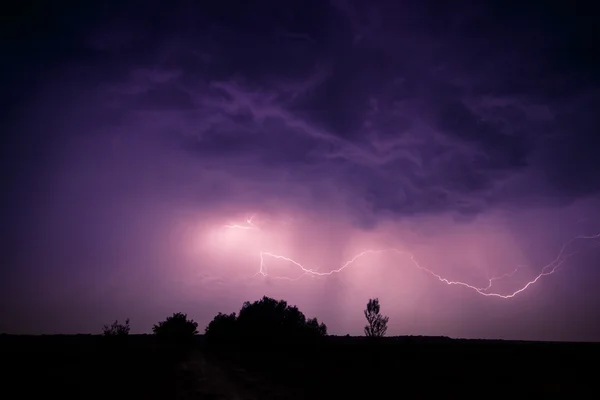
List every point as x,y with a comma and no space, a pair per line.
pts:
85,366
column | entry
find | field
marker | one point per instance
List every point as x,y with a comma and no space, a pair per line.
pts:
85,366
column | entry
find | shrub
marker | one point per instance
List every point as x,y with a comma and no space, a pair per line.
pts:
223,328
263,322
116,329
176,330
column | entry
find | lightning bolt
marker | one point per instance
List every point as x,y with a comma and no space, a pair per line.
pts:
249,224
548,269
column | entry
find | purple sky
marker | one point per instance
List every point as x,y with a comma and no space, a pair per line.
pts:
138,141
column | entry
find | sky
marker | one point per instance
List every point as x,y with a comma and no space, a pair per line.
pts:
190,156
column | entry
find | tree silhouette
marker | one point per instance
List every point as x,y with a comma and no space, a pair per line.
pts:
266,320
176,329
377,323
116,329
318,329
222,328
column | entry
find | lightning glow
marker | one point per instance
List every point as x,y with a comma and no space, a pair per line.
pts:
547,270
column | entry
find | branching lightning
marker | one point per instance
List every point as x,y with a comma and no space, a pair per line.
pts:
249,224
548,269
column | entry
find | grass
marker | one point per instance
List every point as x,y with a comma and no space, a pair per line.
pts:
85,366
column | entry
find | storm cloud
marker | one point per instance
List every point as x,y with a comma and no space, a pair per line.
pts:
132,131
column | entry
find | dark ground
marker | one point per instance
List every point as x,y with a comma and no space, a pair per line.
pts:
85,366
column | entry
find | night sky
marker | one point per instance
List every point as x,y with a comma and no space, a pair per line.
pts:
159,157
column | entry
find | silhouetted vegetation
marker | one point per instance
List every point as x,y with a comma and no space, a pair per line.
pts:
270,350
264,321
223,328
83,367
176,330
337,367
377,323
116,329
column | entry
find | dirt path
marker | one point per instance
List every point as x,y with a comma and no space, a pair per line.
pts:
211,381
205,381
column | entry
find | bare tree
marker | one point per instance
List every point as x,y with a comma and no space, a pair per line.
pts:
377,323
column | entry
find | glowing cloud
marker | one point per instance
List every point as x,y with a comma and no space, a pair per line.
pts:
236,233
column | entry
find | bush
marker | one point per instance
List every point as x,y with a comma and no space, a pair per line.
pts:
176,330
265,321
222,328
116,329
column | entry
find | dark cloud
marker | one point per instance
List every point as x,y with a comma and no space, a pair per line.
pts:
571,157
504,150
164,98
414,117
